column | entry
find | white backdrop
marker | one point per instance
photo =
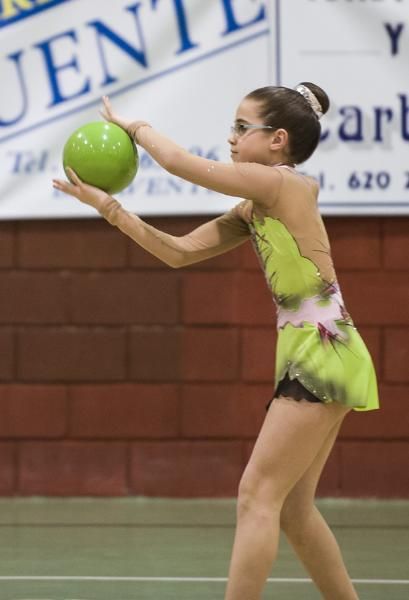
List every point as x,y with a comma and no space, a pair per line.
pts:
358,51
184,65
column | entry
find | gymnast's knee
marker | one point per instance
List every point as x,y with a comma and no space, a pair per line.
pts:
257,495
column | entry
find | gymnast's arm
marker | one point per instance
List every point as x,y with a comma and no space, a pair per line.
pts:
210,239
250,180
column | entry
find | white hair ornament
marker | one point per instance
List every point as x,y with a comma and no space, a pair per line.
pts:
311,99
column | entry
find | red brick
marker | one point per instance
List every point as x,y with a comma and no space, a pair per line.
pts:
7,237
255,300
249,259
223,411
210,297
155,354
124,298
258,354
33,298
355,243
376,298
390,422
375,469
396,242
248,449
396,355
124,411
330,480
142,259
32,411
8,469
186,469
373,339
79,244
7,354
210,354
72,469
70,354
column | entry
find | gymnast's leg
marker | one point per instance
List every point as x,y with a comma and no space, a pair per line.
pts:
309,534
292,436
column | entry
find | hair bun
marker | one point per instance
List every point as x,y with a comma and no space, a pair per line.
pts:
315,96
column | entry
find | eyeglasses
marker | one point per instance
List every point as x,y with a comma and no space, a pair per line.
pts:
240,129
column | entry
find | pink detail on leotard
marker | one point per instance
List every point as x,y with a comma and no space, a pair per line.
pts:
311,311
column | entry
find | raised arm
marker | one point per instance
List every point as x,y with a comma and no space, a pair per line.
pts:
244,180
208,240
254,181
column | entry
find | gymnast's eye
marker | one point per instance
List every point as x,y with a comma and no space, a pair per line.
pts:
239,129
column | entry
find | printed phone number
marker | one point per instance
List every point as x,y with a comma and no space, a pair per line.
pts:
379,180
366,180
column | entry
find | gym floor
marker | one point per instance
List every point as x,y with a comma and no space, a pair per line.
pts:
154,549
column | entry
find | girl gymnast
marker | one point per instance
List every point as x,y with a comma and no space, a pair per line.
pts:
323,368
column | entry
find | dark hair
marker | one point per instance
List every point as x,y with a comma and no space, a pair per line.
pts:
282,107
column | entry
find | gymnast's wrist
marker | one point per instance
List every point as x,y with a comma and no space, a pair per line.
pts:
135,127
109,209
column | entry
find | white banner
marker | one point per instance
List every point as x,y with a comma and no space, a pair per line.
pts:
183,65
358,51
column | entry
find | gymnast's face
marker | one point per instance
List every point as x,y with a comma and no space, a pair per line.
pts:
259,143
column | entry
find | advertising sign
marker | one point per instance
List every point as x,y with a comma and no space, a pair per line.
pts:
182,65
358,51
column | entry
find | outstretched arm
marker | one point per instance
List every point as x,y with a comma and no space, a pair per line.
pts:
208,240
245,180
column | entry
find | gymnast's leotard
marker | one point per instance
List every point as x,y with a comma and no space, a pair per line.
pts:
320,353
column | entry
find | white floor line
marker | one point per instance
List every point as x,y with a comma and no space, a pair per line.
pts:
181,579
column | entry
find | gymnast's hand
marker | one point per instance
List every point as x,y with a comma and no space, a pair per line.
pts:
244,210
87,194
131,127
109,115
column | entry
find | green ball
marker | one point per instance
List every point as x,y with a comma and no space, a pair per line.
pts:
103,155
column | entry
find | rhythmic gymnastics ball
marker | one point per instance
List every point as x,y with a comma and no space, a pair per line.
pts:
103,155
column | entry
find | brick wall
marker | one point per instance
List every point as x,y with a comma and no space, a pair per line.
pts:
121,376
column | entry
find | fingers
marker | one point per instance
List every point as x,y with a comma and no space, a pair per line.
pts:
245,210
71,187
107,103
108,114
106,110
248,211
74,177
64,186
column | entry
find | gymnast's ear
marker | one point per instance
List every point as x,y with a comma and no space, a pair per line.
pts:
279,139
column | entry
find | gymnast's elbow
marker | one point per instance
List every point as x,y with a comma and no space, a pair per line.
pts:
178,262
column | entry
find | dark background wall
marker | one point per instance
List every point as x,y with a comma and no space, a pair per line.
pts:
119,375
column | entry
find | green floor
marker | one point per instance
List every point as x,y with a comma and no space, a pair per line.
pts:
155,550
